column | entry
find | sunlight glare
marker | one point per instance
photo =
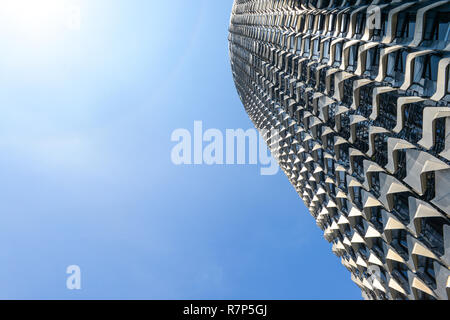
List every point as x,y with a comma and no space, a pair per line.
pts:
35,18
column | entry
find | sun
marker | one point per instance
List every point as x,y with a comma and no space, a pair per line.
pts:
36,18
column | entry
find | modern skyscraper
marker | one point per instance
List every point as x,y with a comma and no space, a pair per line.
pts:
360,92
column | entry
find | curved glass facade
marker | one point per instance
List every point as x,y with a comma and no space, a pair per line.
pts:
359,91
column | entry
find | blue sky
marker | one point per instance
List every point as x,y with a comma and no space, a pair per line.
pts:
87,179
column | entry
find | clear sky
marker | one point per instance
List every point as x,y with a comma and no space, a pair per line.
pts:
86,177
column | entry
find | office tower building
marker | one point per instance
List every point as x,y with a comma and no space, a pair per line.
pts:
359,92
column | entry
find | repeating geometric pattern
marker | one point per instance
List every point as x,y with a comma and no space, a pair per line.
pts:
360,92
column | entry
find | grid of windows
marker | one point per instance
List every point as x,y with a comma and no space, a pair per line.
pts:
363,115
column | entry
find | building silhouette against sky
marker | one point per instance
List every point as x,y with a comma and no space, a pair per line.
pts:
359,92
